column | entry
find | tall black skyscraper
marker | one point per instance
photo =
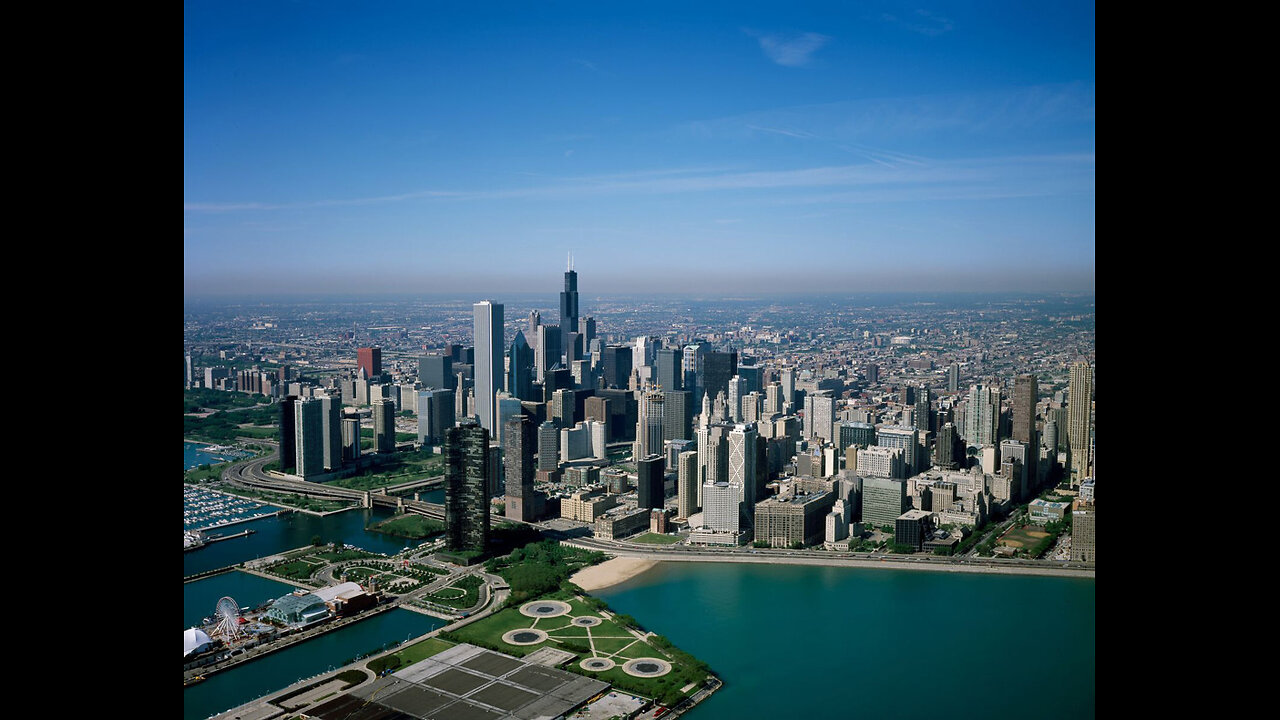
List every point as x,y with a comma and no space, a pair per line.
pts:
520,374
288,439
568,311
466,496
717,368
518,440
649,481
617,367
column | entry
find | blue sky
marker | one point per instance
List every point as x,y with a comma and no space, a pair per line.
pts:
440,147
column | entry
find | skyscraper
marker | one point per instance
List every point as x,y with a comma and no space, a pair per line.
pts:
717,368
669,375
466,500
649,481
742,464
435,371
617,366
437,411
677,415
547,354
331,408
520,374
819,414
308,426
686,484
384,426
953,378
1025,394
548,446
369,360
982,415
518,444
568,309
488,322
288,437
1079,420
650,424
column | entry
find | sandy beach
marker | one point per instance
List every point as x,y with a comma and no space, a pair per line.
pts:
610,572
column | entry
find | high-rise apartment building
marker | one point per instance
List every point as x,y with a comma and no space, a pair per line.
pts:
288,437
487,331
819,414
518,439
466,497
883,500
953,378
308,426
982,415
548,446
384,426
687,484
1079,420
905,438
331,407
677,415
1025,395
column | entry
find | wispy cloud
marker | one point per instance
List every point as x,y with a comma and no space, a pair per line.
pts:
918,179
310,204
792,50
921,21
783,131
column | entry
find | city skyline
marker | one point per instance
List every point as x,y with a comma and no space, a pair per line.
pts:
421,150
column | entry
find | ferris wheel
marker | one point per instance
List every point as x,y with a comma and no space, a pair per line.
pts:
228,613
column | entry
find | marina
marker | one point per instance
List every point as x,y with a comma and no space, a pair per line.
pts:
204,509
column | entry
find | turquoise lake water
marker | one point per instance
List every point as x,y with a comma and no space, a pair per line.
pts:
794,642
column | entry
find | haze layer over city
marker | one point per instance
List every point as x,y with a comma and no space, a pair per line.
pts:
587,361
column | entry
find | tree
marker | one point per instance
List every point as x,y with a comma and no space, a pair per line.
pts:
338,546
316,541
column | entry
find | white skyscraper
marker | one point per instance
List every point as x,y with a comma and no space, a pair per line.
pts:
735,398
1079,420
488,368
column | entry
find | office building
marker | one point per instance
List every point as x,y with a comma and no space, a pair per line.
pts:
617,366
649,481
856,434
587,505
953,378
620,522
677,415
669,375
1080,421
742,455
944,449
436,414
436,371
466,497
384,426
518,443
717,369
546,355
369,361
650,424
520,372
569,313
790,519
913,528
735,398
562,404
883,500
487,329
881,462
908,440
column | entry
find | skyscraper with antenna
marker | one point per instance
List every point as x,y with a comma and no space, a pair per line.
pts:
569,309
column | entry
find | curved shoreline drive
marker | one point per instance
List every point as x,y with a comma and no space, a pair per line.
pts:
610,572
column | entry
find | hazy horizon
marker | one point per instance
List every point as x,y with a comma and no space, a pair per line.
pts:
401,147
